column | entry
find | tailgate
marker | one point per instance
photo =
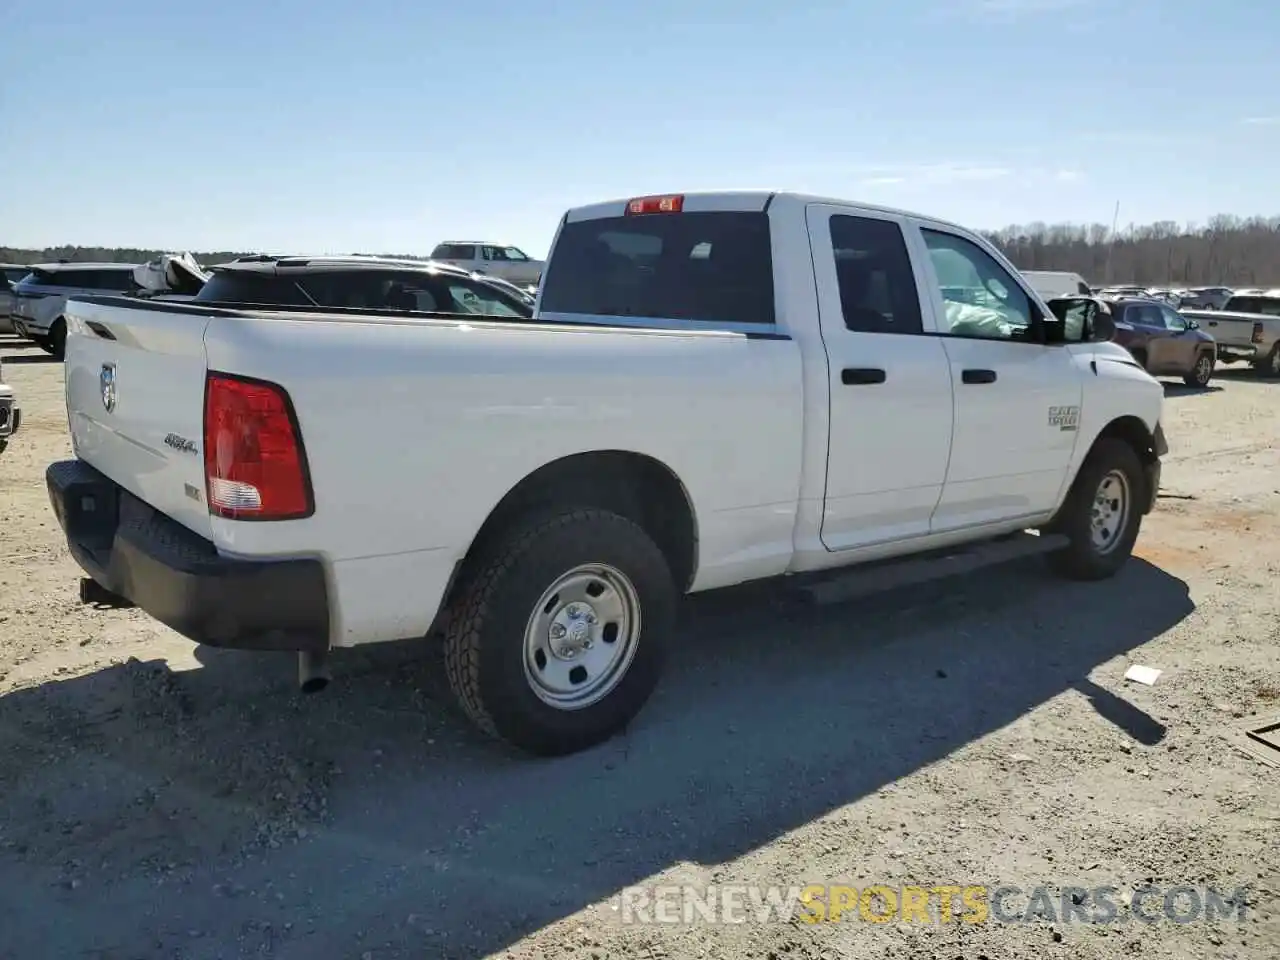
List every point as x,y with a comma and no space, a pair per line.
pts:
135,401
1232,329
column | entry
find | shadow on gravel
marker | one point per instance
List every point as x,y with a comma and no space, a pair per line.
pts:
1182,390
1243,372
215,812
18,358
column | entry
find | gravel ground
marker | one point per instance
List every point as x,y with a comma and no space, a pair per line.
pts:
160,800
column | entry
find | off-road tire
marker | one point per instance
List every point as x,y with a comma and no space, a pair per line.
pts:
484,636
1201,373
1081,560
58,338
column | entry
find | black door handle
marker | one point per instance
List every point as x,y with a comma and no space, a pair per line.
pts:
853,376
978,376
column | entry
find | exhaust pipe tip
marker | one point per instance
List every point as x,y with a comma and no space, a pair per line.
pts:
313,684
313,671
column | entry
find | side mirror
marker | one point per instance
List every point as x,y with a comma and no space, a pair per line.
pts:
1079,320
1100,329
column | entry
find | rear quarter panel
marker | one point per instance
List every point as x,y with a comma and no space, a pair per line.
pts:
415,430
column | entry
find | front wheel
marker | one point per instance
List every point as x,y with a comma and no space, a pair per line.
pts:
1201,373
1102,514
58,338
559,638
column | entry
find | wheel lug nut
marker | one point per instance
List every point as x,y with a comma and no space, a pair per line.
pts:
557,631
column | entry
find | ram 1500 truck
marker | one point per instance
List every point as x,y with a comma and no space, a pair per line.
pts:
715,388
1246,328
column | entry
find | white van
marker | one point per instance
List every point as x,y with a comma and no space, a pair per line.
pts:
1056,283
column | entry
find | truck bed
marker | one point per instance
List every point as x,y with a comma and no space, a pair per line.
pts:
388,407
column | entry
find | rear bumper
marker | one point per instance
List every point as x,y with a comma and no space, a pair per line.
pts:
10,412
1229,352
1160,447
178,577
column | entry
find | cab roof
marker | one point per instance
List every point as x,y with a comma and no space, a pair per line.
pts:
748,200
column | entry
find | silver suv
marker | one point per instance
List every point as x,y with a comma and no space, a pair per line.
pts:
42,294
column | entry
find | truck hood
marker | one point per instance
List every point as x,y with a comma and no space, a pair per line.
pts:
1113,352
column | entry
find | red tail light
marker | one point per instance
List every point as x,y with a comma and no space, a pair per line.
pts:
667,204
1257,332
254,464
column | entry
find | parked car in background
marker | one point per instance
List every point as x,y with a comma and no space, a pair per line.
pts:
361,283
1056,283
1164,341
42,294
10,412
330,479
1246,328
1123,290
1205,298
10,274
498,260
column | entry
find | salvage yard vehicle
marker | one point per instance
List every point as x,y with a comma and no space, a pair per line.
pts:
41,295
715,388
1164,341
1056,283
1246,328
496,259
10,412
362,283
10,274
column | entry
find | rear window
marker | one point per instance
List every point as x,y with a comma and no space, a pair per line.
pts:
454,251
1267,305
713,267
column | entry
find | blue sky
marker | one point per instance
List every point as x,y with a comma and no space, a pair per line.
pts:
331,126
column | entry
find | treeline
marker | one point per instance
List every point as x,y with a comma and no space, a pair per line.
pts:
1228,250
129,255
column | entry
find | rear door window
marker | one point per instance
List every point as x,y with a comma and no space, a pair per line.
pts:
113,280
873,269
714,267
245,286
454,251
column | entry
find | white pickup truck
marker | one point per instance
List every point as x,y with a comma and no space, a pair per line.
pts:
1246,328
716,388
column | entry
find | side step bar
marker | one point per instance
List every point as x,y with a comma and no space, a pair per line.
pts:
879,576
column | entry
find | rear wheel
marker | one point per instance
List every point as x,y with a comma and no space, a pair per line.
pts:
558,639
1202,372
1102,514
58,338
1270,366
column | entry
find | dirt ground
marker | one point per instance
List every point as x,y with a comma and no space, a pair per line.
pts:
159,800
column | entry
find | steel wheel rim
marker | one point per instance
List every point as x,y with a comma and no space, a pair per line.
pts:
1275,361
1110,512
582,636
1203,368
